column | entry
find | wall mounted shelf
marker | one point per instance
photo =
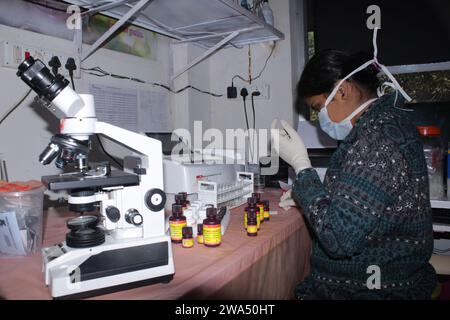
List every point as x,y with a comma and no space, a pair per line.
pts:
211,24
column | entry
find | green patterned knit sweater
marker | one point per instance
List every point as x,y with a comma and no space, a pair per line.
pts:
373,209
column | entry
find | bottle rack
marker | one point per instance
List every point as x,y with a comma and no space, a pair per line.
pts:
231,195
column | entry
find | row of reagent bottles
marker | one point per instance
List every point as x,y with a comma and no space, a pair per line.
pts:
209,232
261,210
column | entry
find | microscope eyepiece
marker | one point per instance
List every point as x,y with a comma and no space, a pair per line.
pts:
36,75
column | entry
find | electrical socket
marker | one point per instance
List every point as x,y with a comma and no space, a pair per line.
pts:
264,89
12,54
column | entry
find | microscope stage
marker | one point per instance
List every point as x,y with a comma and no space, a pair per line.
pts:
80,181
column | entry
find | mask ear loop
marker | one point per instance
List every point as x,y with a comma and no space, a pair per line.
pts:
386,71
382,89
336,88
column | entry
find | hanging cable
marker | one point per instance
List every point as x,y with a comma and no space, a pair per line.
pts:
249,65
244,94
254,94
260,73
99,72
14,106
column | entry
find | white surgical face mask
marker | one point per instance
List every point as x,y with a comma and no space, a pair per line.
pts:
341,129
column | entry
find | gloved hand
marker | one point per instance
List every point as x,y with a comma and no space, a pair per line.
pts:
286,200
291,147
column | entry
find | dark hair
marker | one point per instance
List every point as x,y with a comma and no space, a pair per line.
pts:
328,66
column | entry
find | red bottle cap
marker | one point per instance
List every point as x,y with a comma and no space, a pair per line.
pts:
429,131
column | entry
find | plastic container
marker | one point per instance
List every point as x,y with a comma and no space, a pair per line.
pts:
258,179
434,156
448,171
21,221
267,12
230,195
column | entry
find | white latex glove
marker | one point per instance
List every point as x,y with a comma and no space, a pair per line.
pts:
286,200
291,147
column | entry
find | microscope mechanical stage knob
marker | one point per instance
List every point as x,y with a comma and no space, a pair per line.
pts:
113,214
134,217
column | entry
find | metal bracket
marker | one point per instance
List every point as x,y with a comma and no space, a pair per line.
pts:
206,54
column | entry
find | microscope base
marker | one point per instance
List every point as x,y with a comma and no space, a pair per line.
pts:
112,266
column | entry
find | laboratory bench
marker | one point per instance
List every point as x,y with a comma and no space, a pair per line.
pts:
268,266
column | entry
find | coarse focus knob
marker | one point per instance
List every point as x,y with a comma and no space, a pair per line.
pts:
113,214
134,217
155,199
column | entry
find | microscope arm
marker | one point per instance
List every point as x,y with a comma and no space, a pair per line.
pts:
132,140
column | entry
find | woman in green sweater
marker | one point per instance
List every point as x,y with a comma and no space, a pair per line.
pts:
371,218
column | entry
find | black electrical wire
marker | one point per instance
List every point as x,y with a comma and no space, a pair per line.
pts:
106,152
248,128
15,107
71,80
246,117
254,114
260,73
254,124
99,72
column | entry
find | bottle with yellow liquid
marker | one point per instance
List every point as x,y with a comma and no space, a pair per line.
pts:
212,230
252,223
251,203
177,222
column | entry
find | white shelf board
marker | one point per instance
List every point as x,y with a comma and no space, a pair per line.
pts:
440,227
211,24
440,204
189,20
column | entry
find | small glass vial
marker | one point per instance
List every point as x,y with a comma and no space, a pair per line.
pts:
176,223
200,239
266,210
251,203
188,239
212,230
252,222
260,206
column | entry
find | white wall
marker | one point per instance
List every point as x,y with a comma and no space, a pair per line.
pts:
190,105
27,131
228,113
224,65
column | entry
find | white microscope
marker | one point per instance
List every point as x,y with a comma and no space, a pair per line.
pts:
127,246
